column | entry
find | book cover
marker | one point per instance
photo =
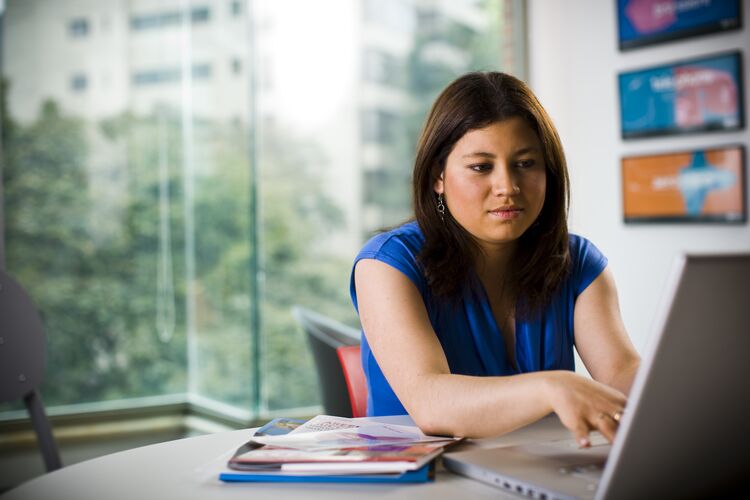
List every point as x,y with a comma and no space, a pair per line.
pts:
326,449
364,458
422,475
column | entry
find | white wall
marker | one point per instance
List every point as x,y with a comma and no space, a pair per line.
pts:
573,66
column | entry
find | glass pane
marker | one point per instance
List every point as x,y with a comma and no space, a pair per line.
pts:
165,159
344,89
127,194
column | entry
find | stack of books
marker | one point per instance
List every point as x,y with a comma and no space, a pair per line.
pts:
335,449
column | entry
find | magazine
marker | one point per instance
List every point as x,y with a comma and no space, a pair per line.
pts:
325,432
327,445
384,458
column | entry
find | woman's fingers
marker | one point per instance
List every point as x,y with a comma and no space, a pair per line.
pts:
603,422
581,433
584,405
606,425
608,413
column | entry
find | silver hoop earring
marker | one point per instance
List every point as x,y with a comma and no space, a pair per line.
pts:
441,207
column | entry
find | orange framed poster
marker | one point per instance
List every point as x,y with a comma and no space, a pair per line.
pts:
705,185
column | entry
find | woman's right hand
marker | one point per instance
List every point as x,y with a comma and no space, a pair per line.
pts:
583,405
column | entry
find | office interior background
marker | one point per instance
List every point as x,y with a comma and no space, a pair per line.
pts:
177,174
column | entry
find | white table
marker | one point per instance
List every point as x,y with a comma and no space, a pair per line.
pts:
187,469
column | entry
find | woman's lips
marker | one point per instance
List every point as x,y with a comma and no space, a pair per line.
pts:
508,213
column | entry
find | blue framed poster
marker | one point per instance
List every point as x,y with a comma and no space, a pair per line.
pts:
696,95
648,22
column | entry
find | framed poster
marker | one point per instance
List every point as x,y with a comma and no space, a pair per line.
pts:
696,95
648,22
705,185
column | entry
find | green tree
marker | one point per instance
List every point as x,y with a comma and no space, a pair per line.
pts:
221,246
297,220
95,280
90,293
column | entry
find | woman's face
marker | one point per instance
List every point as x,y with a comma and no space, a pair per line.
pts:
494,182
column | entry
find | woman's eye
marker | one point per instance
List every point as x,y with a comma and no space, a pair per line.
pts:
481,167
525,164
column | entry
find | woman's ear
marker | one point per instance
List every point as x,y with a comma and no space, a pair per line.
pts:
438,186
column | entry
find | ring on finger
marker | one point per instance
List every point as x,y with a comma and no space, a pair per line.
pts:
616,416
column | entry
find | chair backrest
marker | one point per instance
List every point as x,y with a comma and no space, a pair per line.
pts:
351,363
325,336
23,348
23,356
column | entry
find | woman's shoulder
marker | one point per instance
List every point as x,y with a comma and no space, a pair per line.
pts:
580,247
398,247
407,237
586,259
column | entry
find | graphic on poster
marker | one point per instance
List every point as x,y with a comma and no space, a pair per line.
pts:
694,186
646,22
694,96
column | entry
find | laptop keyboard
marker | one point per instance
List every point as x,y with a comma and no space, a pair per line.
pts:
589,472
595,439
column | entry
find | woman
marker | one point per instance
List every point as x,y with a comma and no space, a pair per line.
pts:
471,312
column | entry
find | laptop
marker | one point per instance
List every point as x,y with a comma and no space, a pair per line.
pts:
686,429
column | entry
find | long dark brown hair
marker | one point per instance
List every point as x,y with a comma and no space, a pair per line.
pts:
541,260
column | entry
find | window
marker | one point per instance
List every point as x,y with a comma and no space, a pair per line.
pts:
78,28
169,75
380,126
385,187
165,19
236,66
201,71
381,67
200,15
78,82
149,77
172,224
155,21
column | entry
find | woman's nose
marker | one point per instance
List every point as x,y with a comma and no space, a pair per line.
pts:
504,182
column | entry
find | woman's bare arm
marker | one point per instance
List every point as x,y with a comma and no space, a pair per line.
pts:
401,337
600,335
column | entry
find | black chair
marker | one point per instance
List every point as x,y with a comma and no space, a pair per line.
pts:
23,356
325,336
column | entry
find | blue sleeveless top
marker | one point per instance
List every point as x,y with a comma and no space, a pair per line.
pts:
468,332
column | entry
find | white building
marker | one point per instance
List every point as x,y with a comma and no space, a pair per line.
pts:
100,58
332,73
